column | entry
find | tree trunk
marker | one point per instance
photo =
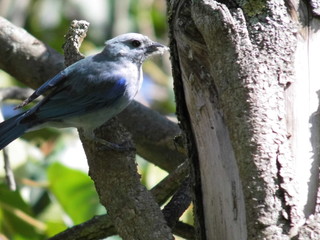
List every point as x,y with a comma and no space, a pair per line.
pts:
246,88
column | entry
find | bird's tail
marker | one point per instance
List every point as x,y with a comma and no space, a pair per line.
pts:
11,129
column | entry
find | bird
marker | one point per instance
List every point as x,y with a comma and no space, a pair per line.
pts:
89,92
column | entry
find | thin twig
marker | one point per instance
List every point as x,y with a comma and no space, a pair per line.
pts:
7,167
8,171
178,204
169,185
15,93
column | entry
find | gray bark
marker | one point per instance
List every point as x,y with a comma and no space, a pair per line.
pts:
245,104
129,204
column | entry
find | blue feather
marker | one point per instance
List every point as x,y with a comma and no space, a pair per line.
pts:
12,129
44,88
54,108
61,103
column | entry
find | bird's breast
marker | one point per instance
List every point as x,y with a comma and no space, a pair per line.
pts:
134,82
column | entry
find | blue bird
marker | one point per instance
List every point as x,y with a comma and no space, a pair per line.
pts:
89,92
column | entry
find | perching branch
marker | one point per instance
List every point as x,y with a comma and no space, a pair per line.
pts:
32,62
129,204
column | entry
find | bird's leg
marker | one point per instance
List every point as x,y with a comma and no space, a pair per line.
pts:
104,144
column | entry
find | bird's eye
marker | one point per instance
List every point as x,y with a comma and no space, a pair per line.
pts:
136,43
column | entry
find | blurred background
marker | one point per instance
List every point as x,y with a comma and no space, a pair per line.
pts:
53,189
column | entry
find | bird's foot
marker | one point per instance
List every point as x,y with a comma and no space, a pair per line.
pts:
105,145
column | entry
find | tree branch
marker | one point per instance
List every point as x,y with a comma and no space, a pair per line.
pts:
25,57
77,32
129,204
100,227
16,93
167,187
32,62
178,204
153,136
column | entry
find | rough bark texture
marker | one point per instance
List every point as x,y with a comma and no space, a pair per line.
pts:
236,87
128,202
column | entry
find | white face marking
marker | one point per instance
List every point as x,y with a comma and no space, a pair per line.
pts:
134,46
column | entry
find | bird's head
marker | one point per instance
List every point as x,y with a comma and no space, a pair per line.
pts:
133,46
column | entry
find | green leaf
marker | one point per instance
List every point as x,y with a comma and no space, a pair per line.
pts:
55,227
75,191
16,218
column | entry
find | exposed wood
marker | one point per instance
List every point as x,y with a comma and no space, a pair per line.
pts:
236,63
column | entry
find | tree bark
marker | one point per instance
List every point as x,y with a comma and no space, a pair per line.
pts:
129,204
241,93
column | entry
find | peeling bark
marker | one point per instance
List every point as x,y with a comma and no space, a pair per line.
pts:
235,63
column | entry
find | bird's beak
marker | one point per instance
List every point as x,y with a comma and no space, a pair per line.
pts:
156,48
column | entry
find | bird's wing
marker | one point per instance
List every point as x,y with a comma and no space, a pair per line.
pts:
51,83
72,100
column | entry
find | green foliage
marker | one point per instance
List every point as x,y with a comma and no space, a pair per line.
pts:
254,7
16,217
72,194
74,191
